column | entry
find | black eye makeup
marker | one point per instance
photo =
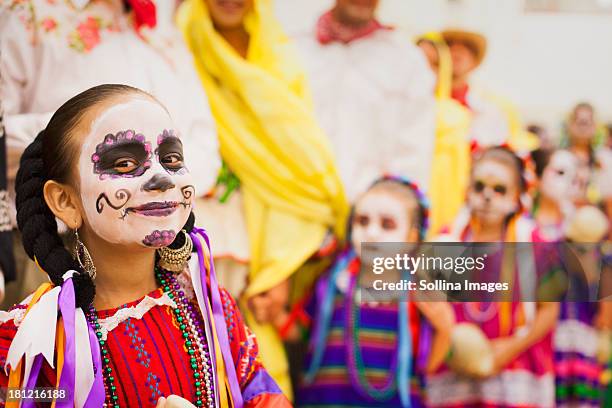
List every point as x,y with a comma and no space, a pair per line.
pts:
170,151
124,154
500,189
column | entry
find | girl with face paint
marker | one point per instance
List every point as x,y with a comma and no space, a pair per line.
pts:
577,368
557,172
341,356
522,373
121,328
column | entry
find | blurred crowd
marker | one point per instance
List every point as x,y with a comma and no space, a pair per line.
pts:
303,145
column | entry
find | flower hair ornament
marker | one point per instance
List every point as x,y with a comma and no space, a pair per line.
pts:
71,348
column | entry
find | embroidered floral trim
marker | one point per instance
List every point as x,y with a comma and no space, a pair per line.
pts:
16,315
135,312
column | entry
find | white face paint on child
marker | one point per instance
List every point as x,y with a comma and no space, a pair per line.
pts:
134,185
380,216
560,177
493,193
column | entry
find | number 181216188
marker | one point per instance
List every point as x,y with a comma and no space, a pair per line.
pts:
37,394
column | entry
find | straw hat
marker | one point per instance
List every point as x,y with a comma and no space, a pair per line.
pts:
476,42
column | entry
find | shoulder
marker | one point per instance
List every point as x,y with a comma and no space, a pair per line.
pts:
9,324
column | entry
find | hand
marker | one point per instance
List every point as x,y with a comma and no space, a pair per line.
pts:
173,401
440,315
268,306
505,349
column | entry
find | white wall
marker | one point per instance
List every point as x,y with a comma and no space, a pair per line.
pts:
543,62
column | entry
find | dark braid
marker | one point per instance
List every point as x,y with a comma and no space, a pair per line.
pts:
39,227
51,157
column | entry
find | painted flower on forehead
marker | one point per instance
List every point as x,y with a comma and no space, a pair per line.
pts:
165,135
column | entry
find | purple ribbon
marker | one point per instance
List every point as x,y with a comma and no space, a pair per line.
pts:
206,306
67,378
219,319
96,396
32,379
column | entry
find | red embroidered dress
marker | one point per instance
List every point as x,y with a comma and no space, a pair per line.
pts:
148,356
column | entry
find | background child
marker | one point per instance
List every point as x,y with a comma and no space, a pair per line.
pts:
360,352
523,359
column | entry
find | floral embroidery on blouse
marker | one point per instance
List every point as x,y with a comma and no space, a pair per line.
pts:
86,36
83,30
24,11
48,24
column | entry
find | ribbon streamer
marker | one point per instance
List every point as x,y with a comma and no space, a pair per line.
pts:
219,319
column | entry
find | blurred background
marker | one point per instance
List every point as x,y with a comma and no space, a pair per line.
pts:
543,55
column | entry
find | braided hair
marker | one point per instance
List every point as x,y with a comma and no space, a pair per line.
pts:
51,156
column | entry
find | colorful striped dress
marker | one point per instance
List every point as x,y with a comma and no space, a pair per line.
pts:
577,371
332,386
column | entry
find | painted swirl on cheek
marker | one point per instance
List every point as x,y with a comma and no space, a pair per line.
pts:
122,195
187,192
159,238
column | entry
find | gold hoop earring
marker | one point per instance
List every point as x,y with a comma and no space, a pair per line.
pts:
82,256
175,260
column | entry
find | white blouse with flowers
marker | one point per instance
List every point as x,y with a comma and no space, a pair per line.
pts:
51,50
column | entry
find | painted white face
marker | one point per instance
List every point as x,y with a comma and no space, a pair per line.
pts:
134,185
493,193
560,177
380,217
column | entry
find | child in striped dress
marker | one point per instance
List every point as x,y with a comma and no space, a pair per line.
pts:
362,353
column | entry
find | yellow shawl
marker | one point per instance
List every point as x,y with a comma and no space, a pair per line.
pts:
451,164
269,138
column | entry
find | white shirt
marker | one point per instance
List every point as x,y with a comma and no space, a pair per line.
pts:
374,97
52,50
490,125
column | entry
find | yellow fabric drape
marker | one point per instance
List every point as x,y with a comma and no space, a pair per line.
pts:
269,138
451,163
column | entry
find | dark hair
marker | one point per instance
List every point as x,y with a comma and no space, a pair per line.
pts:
505,156
50,157
541,158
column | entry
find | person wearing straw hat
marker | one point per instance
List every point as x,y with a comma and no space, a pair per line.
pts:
495,119
373,95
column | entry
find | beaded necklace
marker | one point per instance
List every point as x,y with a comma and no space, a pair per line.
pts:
192,333
355,361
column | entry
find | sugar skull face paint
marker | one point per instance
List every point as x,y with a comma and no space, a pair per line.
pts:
380,217
134,186
560,177
493,193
